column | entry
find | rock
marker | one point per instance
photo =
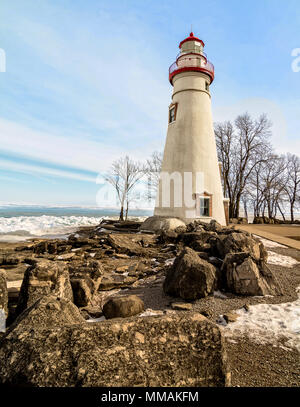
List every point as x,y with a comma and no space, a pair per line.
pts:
214,226
239,221
234,258
128,224
184,349
43,278
47,312
66,256
91,312
112,281
230,317
83,242
122,307
122,269
9,260
204,256
167,236
201,238
46,246
234,221
240,242
182,306
25,247
85,279
199,246
121,256
3,293
258,219
246,307
190,277
160,223
180,229
247,279
126,244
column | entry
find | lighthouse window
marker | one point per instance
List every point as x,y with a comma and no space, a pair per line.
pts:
207,86
204,206
172,113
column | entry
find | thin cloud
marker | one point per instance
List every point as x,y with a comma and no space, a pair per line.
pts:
37,170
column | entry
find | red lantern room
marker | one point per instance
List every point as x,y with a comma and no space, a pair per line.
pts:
191,58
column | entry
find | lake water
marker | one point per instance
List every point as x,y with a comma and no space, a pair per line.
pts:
24,221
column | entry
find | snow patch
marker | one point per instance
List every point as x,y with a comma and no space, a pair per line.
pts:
268,324
29,226
170,262
269,243
149,312
96,319
281,260
219,294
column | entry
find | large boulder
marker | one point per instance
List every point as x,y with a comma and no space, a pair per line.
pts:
47,312
122,307
44,277
85,279
179,350
190,277
246,277
201,237
160,223
240,242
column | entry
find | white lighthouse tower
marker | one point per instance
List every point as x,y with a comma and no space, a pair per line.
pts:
190,182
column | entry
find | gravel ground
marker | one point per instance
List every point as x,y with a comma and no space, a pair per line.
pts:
262,366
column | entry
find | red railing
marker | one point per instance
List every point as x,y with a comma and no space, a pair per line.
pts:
191,62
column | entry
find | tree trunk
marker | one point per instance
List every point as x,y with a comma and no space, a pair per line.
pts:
237,208
245,209
292,212
231,210
126,213
282,214
121,217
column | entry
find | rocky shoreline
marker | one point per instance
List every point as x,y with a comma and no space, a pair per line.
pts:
140,295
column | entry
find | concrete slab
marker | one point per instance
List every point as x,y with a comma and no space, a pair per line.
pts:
276,233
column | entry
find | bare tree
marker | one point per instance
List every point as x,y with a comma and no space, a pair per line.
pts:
152,172
292,185
124,176
272,183
225,135
240,149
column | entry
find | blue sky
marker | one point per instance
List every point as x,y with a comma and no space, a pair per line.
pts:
86,82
